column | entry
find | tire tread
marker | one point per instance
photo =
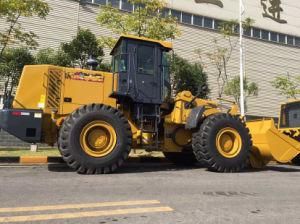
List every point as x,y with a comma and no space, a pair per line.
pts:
66,150
203,153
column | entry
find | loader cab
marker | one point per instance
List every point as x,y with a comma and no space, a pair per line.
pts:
141,70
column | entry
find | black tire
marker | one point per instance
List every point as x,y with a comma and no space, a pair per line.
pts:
205,146
296,160
72,151
181,158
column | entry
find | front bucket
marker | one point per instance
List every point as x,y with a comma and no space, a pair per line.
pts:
270,143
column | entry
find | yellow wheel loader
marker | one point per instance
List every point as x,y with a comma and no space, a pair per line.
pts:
96,118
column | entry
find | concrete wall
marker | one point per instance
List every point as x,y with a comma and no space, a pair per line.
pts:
264,60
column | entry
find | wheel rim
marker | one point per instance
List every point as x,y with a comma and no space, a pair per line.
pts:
98,138
229,142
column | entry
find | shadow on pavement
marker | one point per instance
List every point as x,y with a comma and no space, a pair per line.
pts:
61,167
144,167
284,168
153,167
277,168
131,167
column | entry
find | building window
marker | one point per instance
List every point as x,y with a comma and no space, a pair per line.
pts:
165,12
273,37
101,2
176,14
198,21
290,40
236,29
126,6
114,3
217,24
282,38
247,32
208,22
1,101
256,33
264,35
297,41
138,6
186,18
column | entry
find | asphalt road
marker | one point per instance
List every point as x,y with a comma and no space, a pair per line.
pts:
150,193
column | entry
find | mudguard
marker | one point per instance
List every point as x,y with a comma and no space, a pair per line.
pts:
194,118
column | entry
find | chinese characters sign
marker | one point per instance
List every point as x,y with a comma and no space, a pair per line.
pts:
272,9
214,2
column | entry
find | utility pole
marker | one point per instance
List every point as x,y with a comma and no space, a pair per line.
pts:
242,100
78,15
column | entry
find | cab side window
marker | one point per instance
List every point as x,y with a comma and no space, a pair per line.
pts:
120,63
145,60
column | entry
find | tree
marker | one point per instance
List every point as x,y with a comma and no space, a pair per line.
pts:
11,66
221,55
106,67
83,46
53,57
233,89
147,20
188,76
11,11
49,56
287,86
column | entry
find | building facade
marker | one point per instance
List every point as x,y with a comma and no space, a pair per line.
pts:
272,45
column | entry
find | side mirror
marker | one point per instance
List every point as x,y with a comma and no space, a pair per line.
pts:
92,63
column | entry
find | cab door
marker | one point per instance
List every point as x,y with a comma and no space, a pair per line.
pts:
146,77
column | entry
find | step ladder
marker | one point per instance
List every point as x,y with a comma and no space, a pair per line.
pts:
149,124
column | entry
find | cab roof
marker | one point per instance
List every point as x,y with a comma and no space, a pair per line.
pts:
165,44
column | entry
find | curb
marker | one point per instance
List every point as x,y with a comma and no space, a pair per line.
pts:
40,160
23,160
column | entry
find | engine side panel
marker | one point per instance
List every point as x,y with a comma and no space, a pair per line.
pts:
81,87
32,86
53,88
58,91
